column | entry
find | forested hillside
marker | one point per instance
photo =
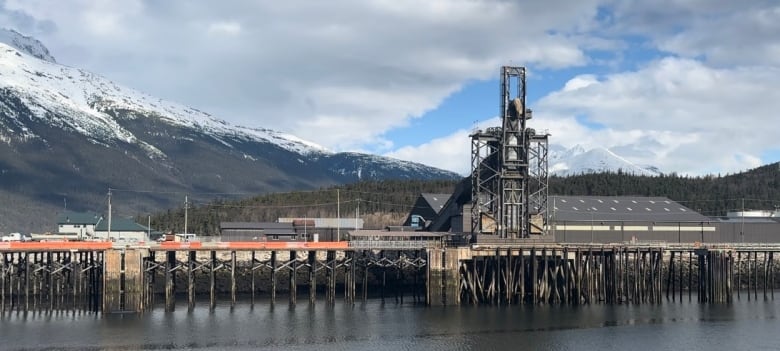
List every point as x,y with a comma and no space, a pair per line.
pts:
384,203
711,195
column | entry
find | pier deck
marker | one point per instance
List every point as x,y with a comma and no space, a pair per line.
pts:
105,276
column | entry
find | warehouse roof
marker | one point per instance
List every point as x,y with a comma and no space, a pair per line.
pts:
121,225
620,208
436,201
70,217
254,225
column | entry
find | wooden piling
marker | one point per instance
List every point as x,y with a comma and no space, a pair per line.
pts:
312,262
534,277
739,268
27,281
330,276
3,269
521,279
252,269
771,275
755,275
498,277
191,261
233,265
428,283
213,280
293,274
353,276
555,295
170,266
274,269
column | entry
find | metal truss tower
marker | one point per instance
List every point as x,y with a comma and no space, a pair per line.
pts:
509,172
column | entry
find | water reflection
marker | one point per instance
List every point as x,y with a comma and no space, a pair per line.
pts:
376,326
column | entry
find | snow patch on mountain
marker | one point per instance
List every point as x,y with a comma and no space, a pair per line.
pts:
28,45
578,160
79,100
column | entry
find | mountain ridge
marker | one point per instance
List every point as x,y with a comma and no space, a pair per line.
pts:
577,160
68,135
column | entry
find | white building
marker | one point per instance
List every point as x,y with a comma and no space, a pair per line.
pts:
77,225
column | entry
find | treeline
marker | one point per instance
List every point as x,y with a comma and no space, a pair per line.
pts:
382,203
710,195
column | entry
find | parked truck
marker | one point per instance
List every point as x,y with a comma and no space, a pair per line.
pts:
15,237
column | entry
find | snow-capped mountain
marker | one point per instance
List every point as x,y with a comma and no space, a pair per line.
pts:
69,133
28,45
82,101
577,160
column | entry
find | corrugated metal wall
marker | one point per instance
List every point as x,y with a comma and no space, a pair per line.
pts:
242,235
671,232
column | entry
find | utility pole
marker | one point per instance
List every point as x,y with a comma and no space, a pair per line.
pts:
186,206
742,229
109,213
357,213
338,216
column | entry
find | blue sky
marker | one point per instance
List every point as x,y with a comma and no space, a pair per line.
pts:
690,86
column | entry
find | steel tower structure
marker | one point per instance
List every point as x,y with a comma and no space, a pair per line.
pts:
509,168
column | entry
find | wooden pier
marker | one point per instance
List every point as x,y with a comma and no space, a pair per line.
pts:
100,277
619,273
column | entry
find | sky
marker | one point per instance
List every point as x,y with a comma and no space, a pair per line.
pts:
688,86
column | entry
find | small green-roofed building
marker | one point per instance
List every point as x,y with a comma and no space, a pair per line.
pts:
122,230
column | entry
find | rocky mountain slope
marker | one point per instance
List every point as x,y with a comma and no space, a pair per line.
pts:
68,135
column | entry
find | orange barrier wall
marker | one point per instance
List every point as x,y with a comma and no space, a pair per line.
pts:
277,245
174,245
171,245
55,245
282,245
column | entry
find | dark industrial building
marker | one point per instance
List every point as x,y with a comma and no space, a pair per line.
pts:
323,229
426,208
613,219
257,231
617,219
291,229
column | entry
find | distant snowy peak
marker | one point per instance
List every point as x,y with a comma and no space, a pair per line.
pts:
28,45
577,160
82,101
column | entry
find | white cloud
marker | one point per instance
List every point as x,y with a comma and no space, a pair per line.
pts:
299,66
699,98
684,116
677,114
227,28
452,152
720,32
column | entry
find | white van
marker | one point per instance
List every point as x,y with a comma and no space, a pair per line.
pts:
186,237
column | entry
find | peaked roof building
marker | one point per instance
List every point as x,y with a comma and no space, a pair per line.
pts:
428,206
620,208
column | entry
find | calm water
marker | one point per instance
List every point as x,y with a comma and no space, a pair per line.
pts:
739,326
